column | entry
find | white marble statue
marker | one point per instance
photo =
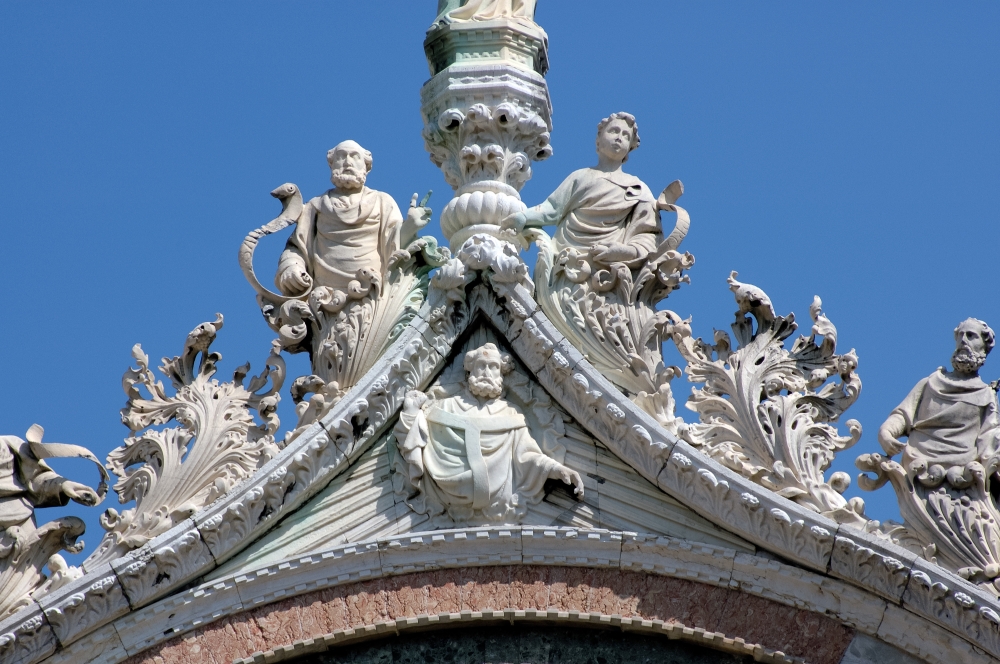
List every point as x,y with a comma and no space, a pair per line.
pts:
485,10
470,455
351,273
949,460
607,265
949,419
26,483
347,232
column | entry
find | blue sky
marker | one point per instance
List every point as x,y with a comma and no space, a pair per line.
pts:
849,150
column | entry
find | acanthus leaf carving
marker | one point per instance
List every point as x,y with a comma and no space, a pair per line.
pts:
173,472
766,411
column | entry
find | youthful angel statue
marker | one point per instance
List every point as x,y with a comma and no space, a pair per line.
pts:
601,274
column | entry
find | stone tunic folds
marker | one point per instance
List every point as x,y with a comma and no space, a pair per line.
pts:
479,463
592,207
950,421
334,242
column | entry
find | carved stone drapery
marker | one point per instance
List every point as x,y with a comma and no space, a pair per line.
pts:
467,447
607,266
171,473
26,483
944,481
766,411
352,276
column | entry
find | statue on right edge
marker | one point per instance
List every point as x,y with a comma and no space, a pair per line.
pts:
601,274
951,425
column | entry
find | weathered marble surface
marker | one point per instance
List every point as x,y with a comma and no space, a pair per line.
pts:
607,266
351,276
467,454
27,482
944,479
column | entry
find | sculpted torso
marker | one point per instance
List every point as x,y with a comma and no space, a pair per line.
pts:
348,231
470,456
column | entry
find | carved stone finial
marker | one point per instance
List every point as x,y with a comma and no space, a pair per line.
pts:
949,461
26,483
486,109
602,273
171,473
468,455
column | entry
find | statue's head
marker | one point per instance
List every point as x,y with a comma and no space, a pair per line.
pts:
973,342
617,135
349,166
486,367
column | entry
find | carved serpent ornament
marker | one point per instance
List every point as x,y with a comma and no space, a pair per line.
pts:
291,208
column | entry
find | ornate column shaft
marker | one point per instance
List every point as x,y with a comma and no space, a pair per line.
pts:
487,116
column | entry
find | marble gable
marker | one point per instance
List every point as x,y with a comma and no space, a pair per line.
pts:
366,502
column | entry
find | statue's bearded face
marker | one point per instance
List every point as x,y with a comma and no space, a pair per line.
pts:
348,168
486,376
970,352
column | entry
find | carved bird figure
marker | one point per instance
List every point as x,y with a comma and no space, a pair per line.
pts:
751,300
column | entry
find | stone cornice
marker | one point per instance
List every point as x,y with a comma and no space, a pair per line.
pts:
402,555
908,589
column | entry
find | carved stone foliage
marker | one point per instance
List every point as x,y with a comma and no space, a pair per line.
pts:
352,276
602,274
172,472
485,154
486,110
26,483
944,480
345,336
766,411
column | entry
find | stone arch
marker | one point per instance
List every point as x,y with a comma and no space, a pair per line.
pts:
723,619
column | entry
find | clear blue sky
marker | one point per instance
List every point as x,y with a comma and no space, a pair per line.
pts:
850,150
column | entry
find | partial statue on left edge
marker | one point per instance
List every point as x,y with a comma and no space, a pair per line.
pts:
469,456
607,265
351,276
948,462
26,483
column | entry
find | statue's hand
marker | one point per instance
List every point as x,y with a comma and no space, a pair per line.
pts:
418,215
612,253
514,222
80,493
890,444
413,401
294,280
572,478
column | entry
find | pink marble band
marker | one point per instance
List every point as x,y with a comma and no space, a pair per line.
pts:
629,595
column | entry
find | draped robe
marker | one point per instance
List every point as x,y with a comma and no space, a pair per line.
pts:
948,421
475,462
593,207
332,242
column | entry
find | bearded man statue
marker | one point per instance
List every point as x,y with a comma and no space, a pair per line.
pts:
350,230
470,456
950,418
